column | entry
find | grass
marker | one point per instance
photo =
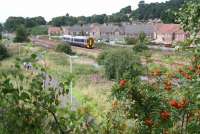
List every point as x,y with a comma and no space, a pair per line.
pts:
91,87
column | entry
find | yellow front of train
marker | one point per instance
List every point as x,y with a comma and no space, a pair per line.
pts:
90,43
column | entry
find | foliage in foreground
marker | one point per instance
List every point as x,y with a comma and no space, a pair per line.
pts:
27,105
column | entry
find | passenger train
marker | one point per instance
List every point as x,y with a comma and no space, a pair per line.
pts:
81,41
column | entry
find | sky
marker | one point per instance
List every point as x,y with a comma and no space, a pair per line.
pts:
53,8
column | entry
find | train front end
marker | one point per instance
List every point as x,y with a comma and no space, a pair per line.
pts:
90,43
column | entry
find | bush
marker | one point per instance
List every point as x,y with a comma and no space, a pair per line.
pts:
141,44
120,63
21,34
3,52
65,48
130,41
39,30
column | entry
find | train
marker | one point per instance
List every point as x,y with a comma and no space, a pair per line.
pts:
81,41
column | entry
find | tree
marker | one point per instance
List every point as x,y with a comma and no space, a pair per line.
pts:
189,16
120,63
126,10
39,30
12,23
3,52
21,34
164,11
1,30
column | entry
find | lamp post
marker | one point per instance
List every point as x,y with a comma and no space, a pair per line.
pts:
71,83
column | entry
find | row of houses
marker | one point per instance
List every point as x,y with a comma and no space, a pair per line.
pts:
158,33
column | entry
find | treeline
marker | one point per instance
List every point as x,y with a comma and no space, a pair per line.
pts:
164,11
12,23
121,16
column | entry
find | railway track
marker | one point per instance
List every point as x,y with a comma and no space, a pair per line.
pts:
50,44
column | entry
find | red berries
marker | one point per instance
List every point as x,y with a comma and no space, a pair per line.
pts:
178,105
164,115
122,83
184,74
148,122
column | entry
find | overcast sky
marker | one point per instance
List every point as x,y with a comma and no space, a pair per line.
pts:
52,8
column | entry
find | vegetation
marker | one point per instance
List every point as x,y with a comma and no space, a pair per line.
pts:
141,43
164,11
1,30
66,48
39,30
12,23
120,63
130,41
21,34
165,102
162,106
3,52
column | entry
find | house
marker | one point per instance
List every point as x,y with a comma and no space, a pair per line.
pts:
55,31
107,32
77,30
134,30
169,33
115,32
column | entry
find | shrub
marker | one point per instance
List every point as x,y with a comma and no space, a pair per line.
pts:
130,40
141,44
21,34
3,52
39,30
66,48
120,63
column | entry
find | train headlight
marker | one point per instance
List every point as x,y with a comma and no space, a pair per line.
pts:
90,42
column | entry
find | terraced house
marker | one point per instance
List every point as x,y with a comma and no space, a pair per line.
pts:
159,33
169,33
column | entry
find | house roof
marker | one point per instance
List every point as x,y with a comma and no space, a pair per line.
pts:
54,29
78,28
168,28
138,28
